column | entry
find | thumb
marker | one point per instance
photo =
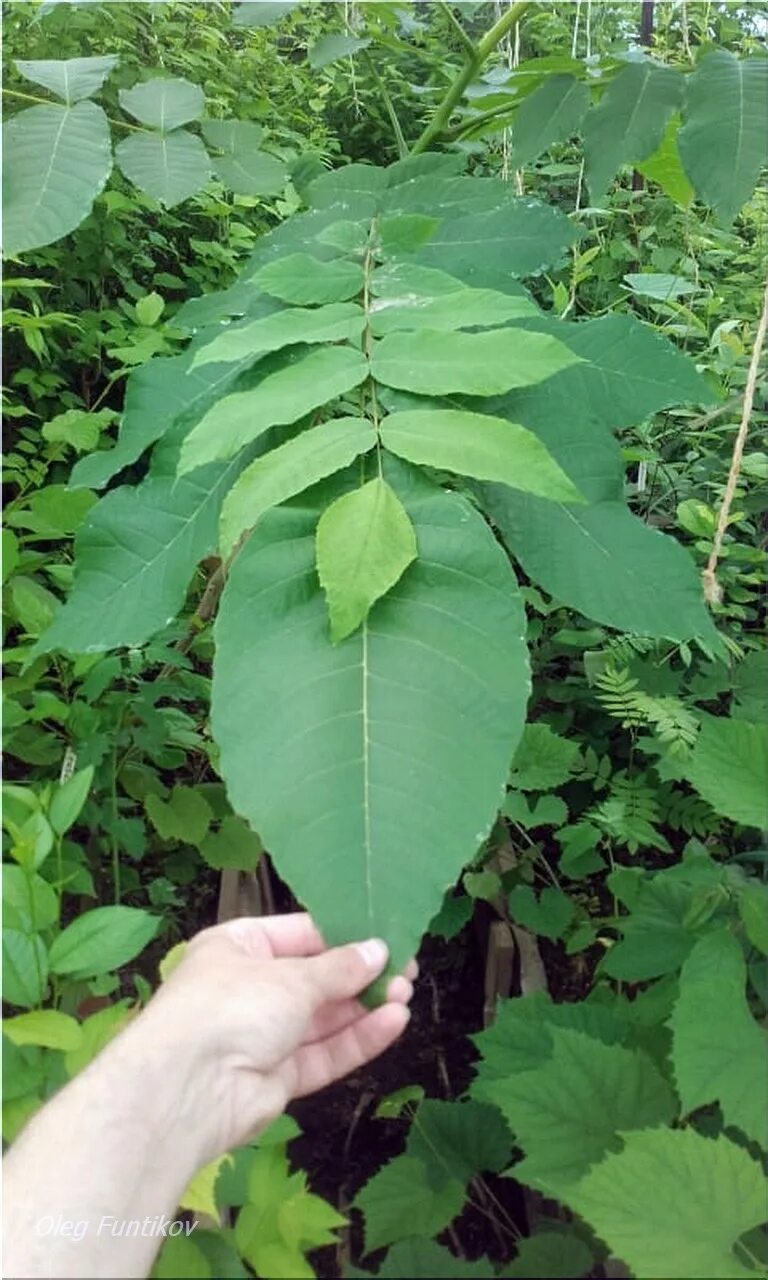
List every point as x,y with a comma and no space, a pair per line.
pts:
346,971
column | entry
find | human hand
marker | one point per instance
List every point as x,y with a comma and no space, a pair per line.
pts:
259,1012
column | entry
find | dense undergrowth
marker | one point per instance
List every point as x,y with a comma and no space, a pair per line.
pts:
547,256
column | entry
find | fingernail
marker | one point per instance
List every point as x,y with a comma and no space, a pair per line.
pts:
374,952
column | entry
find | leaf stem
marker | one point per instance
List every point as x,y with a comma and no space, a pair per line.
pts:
46,102
439,122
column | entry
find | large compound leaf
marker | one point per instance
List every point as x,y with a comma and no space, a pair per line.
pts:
289,469
57,160
710,1066
479,445
365,542
136,553
341,321
724,137
673,1204
163,103
475,364
629,121
729,767
353,761
570,1110
552,113
70,78
291,385
170,167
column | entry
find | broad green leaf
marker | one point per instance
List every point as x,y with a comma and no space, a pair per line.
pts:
163,103
753,909
292,385
476,364
452,916
101,940
181,1256
261,13
569,1112
476,444
305,281
729,767
77,428
330,48
711,1066
242,167
666,168
492,248
658,285
57,159
458,1140
29,902
399,1202
547,811
401,736
46,1027
287,470
428,164
52,511
149,308
68,800
365,542
543,759
200,1192
552,113
157,394
550,1255
548,915
71,78
405,232
233,845
401,283
135,555
25,968
185,817
657,933
672,1204
342,321
33,605
628,123
355,186
97,1031
464,309
724,136
170,167
418,1259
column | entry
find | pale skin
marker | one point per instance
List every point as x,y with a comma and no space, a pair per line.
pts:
258,1012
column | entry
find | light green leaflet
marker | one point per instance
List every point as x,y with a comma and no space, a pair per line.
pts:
478,445
464,309
289,469
292,386
306,281
335,323
475,364
170,167
396,279
365,542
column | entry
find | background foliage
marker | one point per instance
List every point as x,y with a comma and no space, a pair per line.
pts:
628,835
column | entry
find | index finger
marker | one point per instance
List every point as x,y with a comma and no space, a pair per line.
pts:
289,935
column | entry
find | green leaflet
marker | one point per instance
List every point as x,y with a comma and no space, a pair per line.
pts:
492,248
476,444
672,1204
629,121
570,1110
170,167
292,384
101,940
72,78
305,281
464,309
477,364
365,542
552,113
390,747
338,322
398,1201
242,167
709,1066
57,159
136,553
725,117
729,767
164,103
287,470
666,168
